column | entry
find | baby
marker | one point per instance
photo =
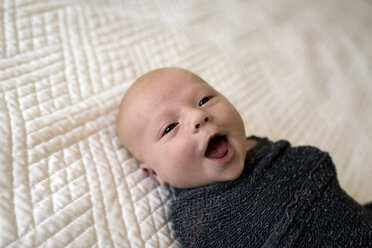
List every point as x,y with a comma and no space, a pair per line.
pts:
233,191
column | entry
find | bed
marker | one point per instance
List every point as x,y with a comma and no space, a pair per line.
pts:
295,69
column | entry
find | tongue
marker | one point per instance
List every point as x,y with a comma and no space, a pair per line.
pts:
217,148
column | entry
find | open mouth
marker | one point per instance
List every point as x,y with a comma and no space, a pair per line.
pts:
219,149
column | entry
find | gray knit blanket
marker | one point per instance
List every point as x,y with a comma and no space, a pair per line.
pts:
286,197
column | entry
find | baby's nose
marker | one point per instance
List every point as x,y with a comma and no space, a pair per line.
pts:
200,121
197,126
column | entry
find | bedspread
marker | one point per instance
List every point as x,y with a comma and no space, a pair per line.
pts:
295,69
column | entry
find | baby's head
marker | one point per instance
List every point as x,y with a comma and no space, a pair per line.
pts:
182,131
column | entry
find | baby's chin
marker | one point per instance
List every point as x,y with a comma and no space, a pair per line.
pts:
236,172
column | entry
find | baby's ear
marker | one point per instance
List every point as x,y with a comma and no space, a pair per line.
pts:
152,173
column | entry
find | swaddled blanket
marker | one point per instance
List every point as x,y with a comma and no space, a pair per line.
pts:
286,197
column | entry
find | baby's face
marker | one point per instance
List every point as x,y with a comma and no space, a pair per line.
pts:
184,130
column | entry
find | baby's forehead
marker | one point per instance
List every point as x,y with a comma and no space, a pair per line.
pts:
167,85
160,87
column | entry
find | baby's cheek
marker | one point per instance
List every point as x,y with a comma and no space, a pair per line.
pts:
177,150
228,114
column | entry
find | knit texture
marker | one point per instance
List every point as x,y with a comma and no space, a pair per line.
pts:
286,197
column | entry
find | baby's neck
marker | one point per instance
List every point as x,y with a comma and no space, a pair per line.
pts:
251,143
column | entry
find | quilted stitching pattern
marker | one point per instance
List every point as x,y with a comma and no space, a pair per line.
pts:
296,69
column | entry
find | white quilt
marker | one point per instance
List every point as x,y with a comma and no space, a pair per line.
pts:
295,69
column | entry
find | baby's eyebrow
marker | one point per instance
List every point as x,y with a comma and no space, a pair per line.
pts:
160,119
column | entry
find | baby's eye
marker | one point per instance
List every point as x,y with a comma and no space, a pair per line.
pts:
170,128
204,101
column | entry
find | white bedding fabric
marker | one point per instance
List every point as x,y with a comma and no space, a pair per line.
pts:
295,69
